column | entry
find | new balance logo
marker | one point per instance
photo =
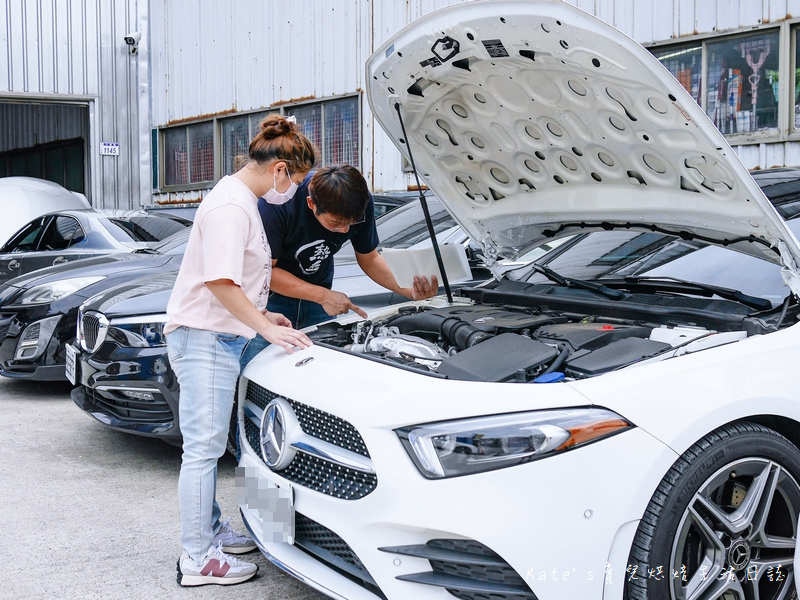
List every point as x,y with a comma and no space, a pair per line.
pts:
215,568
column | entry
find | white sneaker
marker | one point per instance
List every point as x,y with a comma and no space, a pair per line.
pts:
217,568
233,542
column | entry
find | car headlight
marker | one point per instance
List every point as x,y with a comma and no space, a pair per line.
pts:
464,447
48,292
142,331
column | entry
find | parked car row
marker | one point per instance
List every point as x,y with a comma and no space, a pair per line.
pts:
38,311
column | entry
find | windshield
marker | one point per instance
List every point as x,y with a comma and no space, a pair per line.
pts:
613,255
150,228
405,226
176,243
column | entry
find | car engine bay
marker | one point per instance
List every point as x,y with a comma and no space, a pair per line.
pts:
544,333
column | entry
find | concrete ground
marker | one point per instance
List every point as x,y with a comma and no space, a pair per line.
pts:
92,513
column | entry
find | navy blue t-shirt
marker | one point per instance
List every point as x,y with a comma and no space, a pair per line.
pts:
302,246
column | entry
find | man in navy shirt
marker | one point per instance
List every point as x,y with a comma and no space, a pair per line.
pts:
331,206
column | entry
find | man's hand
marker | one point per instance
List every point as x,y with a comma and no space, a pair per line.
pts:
423,288
336,303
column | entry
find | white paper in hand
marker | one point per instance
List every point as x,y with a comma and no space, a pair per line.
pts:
406,263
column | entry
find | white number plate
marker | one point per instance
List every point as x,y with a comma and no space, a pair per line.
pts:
272,500
71,366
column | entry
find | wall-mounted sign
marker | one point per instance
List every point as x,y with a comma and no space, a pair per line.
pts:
109,149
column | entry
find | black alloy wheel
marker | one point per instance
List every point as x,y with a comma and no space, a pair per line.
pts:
722,524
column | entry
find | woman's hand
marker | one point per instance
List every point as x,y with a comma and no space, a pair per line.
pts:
277,319
284,336
275,328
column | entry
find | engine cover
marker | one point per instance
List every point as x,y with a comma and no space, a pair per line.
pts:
498,359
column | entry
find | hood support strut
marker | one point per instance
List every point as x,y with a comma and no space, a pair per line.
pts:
425,210
789,272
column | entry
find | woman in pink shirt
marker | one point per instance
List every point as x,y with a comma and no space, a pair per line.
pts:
218,303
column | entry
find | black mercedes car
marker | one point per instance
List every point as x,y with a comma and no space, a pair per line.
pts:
38,311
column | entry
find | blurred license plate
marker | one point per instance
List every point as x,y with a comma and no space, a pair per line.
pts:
271,499
72,364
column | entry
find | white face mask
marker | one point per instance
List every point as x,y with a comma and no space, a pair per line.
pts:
273,196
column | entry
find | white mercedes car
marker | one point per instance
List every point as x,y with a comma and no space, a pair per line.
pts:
617,419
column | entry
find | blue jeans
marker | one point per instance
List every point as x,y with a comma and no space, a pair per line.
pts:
302,313
207,366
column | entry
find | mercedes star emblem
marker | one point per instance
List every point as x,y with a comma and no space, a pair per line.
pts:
278,425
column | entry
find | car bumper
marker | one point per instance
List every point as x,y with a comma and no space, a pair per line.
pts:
34,372
554,525
130,390
48,331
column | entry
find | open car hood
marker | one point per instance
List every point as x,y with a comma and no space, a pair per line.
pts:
535,120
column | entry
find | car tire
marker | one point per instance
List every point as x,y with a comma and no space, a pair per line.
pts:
722,523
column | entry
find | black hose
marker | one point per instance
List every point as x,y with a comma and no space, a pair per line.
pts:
456,332
559,360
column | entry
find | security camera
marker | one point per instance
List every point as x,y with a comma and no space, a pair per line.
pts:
132,39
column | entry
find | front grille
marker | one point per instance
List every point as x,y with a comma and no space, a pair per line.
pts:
309,471
329,428
334,480
251,431
316,423
467,569
91,328
324,544
155,411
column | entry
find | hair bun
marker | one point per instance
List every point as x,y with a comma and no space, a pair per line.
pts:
280,138
275,126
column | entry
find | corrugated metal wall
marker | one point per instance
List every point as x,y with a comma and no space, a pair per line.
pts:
257,54
73,51
253,54
204,57
226,57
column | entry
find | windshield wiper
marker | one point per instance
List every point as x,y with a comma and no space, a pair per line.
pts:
726,293
578,283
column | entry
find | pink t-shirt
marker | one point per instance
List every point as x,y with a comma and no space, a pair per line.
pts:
227,242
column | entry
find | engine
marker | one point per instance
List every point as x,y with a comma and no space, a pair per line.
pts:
497,343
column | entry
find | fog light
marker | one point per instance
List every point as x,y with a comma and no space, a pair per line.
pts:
139,395
31,336
35,338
